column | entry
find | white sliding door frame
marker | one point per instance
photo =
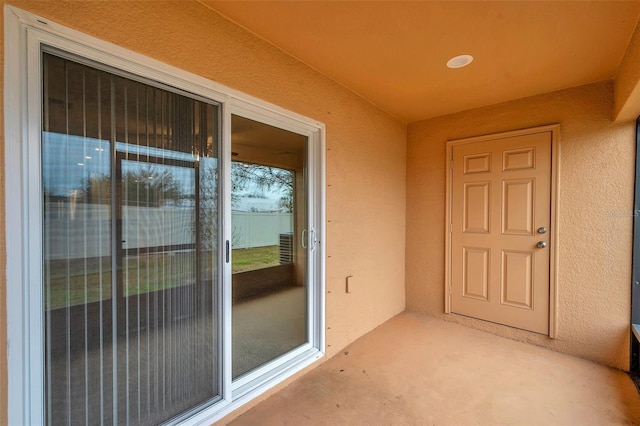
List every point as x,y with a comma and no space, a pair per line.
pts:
25,36
280,365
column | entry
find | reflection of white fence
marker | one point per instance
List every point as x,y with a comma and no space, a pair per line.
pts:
158,226
259,229
75,231
84,231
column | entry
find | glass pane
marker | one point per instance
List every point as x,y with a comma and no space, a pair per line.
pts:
269,263
130,188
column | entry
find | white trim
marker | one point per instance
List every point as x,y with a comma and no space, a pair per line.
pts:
18,372
447,244
226,291
207,417
554,129
554,234
317,169
32,205
25,33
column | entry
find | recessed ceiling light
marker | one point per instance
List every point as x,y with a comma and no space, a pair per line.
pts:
459,61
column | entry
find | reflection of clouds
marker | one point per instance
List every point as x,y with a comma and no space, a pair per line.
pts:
247,204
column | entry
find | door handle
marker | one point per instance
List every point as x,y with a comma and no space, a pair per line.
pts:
542,230
541,244
308,239
314,240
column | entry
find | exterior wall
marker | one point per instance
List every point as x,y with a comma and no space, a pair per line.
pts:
366,148
597,159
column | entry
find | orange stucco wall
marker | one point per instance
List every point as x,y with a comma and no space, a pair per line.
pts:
595,213
366,148
385,182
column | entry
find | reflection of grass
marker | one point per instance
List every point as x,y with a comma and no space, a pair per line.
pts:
158,272
142,274
84,283
255,258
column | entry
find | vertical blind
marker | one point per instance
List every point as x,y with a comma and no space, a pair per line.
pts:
130,221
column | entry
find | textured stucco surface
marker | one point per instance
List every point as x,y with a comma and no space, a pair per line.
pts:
366,147
379,174
595,213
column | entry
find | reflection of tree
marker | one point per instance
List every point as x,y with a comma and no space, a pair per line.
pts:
96,189
208,212
151,187
243,177
246,176
146,187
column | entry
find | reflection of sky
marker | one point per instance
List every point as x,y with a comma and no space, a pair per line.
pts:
69,161
253,197
247,204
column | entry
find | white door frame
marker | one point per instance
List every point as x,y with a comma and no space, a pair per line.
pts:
555,185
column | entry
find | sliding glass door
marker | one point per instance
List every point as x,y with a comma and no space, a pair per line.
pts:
269,218
130,248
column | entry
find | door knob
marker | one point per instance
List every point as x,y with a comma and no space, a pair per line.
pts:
542,230
541,244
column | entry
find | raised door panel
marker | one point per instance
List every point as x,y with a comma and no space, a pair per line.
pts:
518,206
476,273
476,207
519,159
516,279
477,163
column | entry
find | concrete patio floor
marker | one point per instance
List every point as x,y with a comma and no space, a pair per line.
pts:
416,370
